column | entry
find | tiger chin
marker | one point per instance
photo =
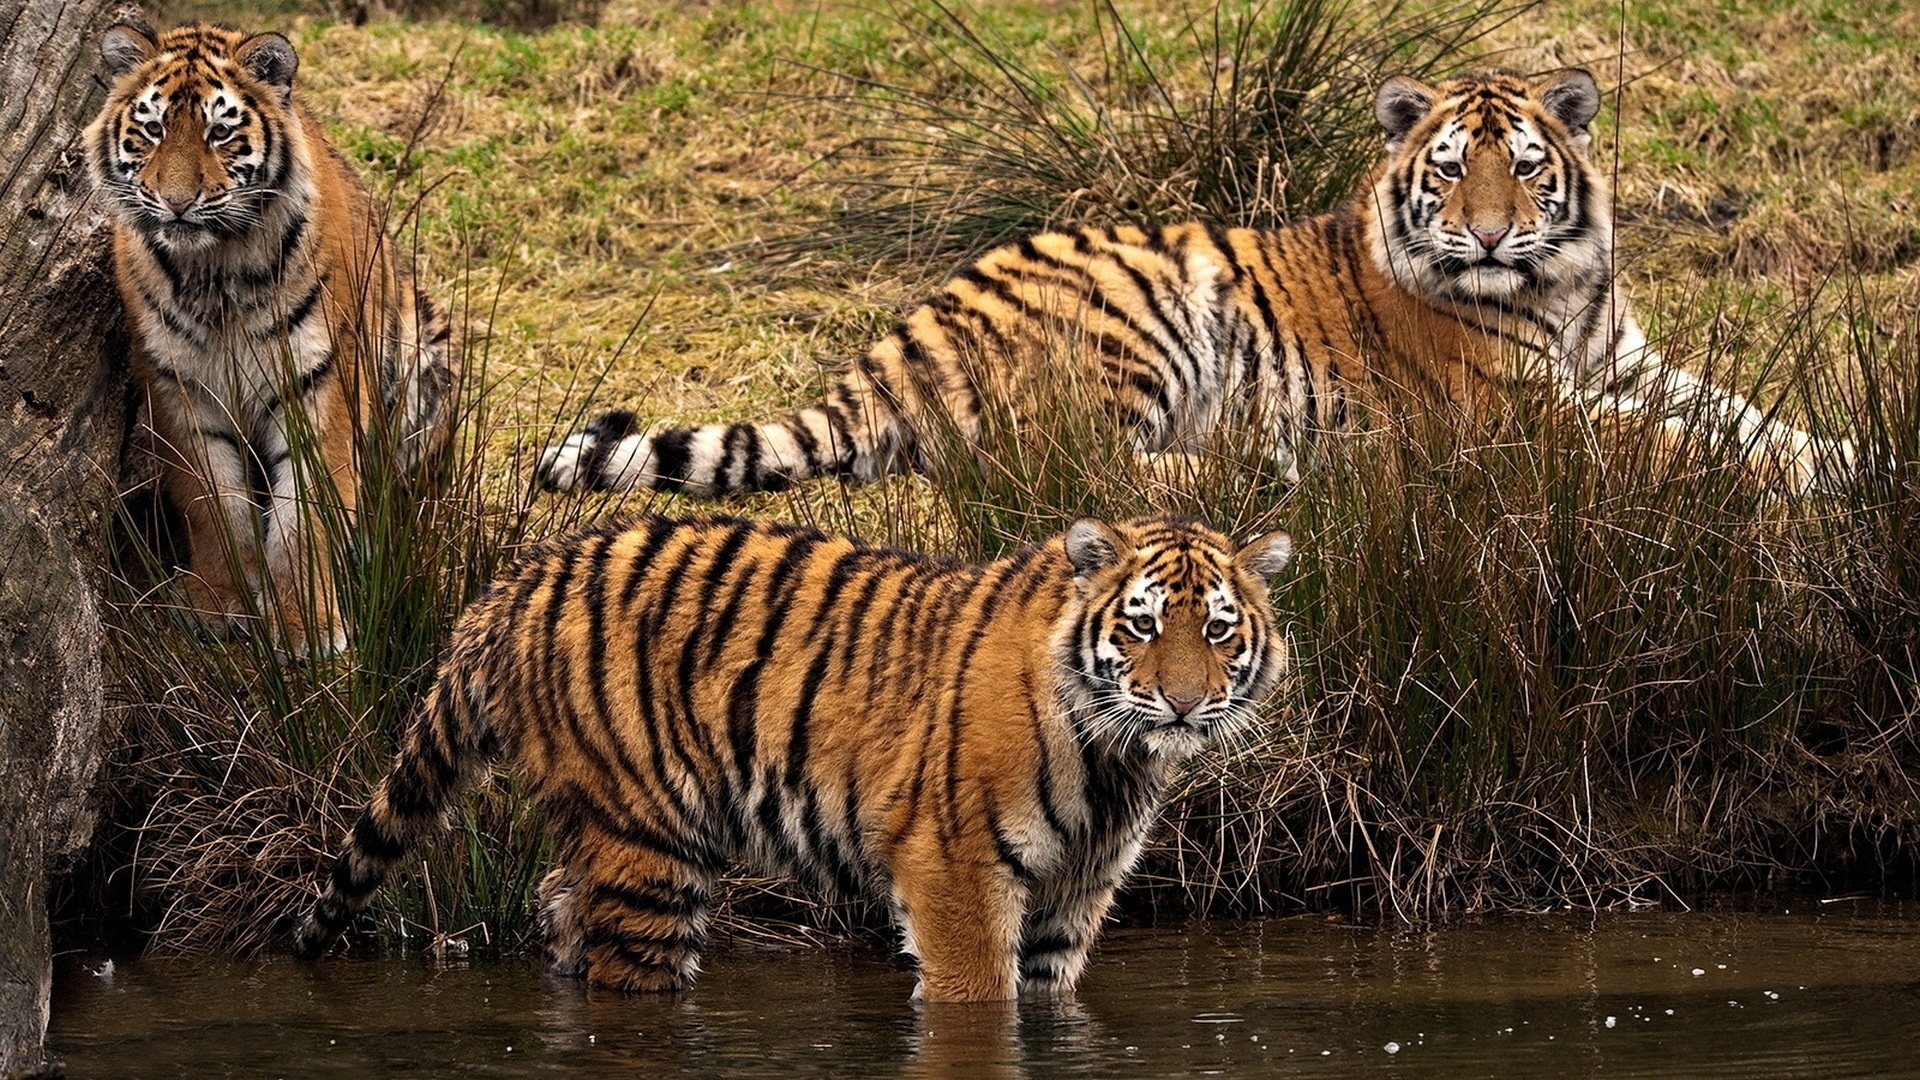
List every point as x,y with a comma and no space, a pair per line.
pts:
983,748
276,339
1478,255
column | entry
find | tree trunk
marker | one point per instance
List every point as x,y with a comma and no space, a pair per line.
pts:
62,423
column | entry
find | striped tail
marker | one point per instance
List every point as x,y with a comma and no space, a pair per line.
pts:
445,750
849,435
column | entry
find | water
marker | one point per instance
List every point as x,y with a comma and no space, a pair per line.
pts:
1827,992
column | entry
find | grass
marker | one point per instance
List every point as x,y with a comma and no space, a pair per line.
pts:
1152,121
1529,672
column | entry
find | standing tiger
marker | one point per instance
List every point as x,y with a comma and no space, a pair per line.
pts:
982,747
1480,253
274,336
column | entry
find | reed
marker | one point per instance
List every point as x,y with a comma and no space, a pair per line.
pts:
1542,665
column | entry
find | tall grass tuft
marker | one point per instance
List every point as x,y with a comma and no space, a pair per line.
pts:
1266,116
246,761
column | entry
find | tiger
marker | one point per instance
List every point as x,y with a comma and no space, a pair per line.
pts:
274,332
1477,256
981,748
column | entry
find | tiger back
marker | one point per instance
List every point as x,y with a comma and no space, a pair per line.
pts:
982,748
1478,257
276,340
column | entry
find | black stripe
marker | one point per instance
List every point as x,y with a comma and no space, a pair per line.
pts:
572,802
594,595
730,445
165,311
796,426
658,530
656,896
557,669
671,453
1003,846
302,386
1046,944
607,429
290,240
660,705
1013,577
1043,768
716,630
166,265
1095,298
856,617
838,575
370,839
742,695
297,316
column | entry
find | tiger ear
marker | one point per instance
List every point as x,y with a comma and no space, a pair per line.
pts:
1091,545
270,58
1572,96
126,45
1266,555
1401,103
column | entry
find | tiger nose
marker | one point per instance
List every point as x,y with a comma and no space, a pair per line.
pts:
178,206
1181,706
1490,238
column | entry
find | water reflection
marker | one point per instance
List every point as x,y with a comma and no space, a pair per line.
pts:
1648,995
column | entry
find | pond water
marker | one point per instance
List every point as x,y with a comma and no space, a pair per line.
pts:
1831,990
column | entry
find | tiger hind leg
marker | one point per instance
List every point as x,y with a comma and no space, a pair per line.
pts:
563,924
630,918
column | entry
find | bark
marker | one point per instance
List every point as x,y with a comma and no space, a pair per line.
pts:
62,424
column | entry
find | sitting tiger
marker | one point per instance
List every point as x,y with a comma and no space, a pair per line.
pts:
1480,252
273,333
982,747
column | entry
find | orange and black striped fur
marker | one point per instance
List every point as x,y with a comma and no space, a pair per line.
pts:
1480,253
982,747
273,332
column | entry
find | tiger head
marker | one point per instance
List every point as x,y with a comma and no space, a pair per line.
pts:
1172,642
192,142
1486,190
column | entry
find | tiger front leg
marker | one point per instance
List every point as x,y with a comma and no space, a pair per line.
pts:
309,515
203,473
1058,936
961,917
1635,382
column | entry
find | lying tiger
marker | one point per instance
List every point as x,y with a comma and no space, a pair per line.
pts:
984,748
1480,252
269,315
